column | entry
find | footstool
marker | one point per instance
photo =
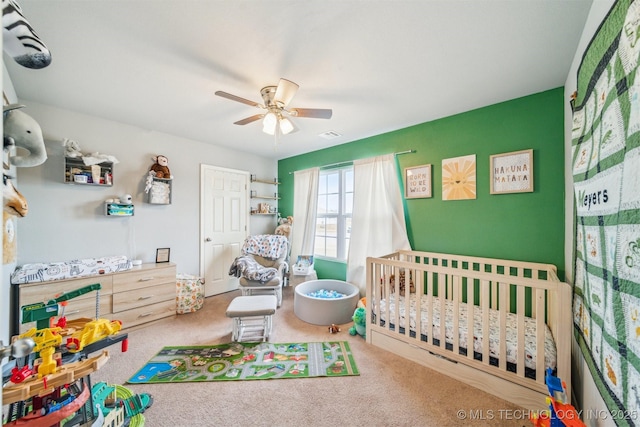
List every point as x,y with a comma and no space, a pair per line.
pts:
252,316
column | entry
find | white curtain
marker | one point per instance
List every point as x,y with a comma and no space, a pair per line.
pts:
378,225
305,206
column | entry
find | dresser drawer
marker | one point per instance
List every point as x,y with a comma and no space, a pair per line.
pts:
146,314
44,292
143,297
144,278
76,308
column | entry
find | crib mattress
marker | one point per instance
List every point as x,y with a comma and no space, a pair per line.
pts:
494,329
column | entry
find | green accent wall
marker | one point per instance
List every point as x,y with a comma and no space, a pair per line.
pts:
518,226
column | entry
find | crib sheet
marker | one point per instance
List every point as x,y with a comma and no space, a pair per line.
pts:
494,328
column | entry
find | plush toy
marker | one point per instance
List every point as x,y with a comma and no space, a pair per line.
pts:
71,148
21,130
20,41
334,329
362,302
284,229
359,323
161,167
401,282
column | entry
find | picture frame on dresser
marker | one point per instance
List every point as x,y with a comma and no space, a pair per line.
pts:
162,255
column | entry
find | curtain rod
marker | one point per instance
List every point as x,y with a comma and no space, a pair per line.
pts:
351,161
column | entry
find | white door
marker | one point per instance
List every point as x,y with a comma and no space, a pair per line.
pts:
224,217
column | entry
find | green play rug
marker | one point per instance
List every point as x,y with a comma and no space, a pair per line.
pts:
248,361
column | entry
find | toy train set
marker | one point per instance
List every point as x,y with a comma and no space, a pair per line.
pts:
51,382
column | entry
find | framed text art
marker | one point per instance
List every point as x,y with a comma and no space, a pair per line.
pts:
162,255
417,182
512,172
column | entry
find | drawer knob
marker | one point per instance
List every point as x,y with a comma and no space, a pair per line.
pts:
145,314
146,297
146,279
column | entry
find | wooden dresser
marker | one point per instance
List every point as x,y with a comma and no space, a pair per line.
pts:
137,296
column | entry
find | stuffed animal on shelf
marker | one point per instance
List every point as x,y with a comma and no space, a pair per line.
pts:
161,167
284,229
71,148
359,323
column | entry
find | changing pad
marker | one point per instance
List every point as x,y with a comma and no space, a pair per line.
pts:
43,272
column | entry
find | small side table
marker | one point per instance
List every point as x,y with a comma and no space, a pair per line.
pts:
296,280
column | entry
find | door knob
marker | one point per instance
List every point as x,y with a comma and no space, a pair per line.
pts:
208,239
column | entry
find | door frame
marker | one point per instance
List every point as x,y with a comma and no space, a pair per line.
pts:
204,167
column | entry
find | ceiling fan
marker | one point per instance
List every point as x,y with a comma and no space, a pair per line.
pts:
275,115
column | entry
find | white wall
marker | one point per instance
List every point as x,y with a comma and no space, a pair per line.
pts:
67,221
5,300
586,395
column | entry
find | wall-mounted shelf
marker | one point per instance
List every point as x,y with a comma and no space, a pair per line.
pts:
265,181
264,208
118,209
76,172
255,195
160,191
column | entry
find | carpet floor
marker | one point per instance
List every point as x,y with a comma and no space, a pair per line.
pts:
390,390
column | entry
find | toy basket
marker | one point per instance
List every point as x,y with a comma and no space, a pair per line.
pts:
189,293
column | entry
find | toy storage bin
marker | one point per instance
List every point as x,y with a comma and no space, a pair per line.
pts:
189,293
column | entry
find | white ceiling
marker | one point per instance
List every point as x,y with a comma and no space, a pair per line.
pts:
380,65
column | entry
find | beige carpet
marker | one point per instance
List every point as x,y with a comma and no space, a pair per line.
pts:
390,390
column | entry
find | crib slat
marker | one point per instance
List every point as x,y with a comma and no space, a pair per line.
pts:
521,331
430,326
407,300
387,294
456,282
443,312
484,289
374,290
417,280
504,306
540,336
494,295
470,319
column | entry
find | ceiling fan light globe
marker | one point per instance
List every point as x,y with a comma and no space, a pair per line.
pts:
269,123
286,126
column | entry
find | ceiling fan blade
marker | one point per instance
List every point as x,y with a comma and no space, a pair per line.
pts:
315,113
249,119
237,98
285,92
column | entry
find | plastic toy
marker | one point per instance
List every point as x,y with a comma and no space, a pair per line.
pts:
93,331
560,414
359,323
46,340
333,329
20,374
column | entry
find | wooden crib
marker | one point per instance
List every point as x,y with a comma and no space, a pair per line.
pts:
522,307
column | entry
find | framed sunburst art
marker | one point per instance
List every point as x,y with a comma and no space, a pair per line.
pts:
459,178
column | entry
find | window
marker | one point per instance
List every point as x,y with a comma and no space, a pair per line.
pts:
335,204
